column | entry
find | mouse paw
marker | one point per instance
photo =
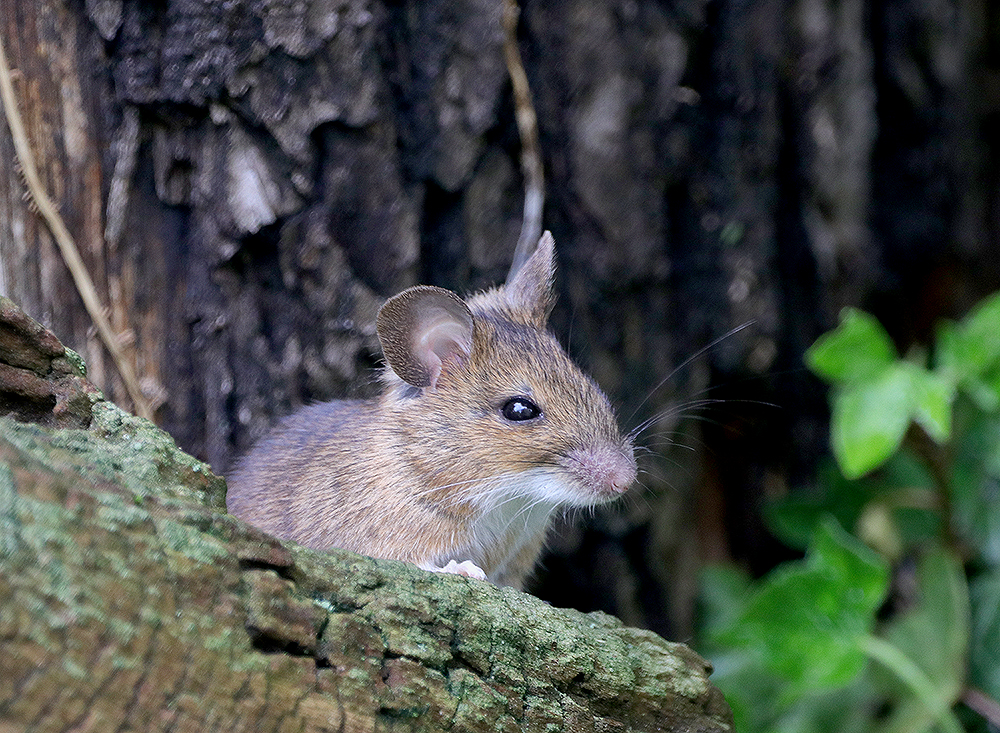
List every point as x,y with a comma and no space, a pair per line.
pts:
467,568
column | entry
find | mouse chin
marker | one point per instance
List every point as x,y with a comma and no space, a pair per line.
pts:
576,483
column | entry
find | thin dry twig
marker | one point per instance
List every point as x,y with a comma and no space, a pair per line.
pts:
983,704
527,128
67,247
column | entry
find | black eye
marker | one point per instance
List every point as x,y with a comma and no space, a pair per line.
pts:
518,409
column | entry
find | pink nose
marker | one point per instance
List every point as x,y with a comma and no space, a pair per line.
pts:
604,470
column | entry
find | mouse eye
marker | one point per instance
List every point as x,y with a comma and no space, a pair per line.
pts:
519,409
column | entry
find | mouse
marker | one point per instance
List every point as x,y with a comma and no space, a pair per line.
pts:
484,428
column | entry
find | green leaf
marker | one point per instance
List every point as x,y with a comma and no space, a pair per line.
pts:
807,619
985,389
902,484
934,636
870,419
982,327
933,395
724,593
975,481
861,571
984,663
794,518
969,352
924,706
857,350
950,348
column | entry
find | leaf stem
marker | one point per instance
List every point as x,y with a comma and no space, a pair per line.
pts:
936,459
983,704
907,670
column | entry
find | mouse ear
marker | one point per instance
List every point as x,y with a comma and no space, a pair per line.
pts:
421,328
529,290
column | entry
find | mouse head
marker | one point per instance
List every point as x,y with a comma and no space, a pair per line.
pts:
482,389
422,327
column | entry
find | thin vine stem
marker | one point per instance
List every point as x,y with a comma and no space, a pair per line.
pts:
67,247
893,659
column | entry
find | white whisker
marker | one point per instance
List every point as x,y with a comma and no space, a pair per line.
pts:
700,352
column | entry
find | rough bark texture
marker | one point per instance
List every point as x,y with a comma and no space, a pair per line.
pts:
40,380
130,601
248,180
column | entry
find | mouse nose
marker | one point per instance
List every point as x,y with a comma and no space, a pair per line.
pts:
621,471
606,471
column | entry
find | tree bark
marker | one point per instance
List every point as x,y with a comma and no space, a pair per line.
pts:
247,181
129,600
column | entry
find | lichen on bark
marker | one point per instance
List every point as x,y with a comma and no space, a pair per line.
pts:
129,600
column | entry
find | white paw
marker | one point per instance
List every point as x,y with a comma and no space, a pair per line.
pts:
467,568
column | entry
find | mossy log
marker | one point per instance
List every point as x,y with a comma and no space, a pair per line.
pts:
130,601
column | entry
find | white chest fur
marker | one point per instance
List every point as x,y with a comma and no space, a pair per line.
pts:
515,514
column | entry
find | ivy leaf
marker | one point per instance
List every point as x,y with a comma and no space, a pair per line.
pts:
935,637
808,618
984,389
857,350
969,351
984,664
724,593
794,518
933,396
981,329
975,482
869,420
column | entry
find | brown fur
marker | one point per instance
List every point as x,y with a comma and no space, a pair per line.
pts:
414,474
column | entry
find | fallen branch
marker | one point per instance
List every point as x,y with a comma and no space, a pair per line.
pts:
130,599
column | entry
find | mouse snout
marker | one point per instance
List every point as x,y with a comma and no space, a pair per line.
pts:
605,470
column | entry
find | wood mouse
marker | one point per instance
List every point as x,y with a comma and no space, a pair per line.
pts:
484,427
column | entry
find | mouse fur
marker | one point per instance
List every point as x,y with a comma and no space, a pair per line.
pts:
432,470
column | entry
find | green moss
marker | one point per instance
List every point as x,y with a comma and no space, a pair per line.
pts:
73,669
119,515
148,458
132,453
8,514
76,362
191,543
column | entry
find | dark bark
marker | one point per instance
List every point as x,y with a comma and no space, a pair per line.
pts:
710,165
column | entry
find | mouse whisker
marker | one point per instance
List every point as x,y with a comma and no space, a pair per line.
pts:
688,361
683,409
468,491
687,411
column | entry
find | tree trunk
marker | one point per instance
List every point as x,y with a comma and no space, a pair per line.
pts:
129,600
248,181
